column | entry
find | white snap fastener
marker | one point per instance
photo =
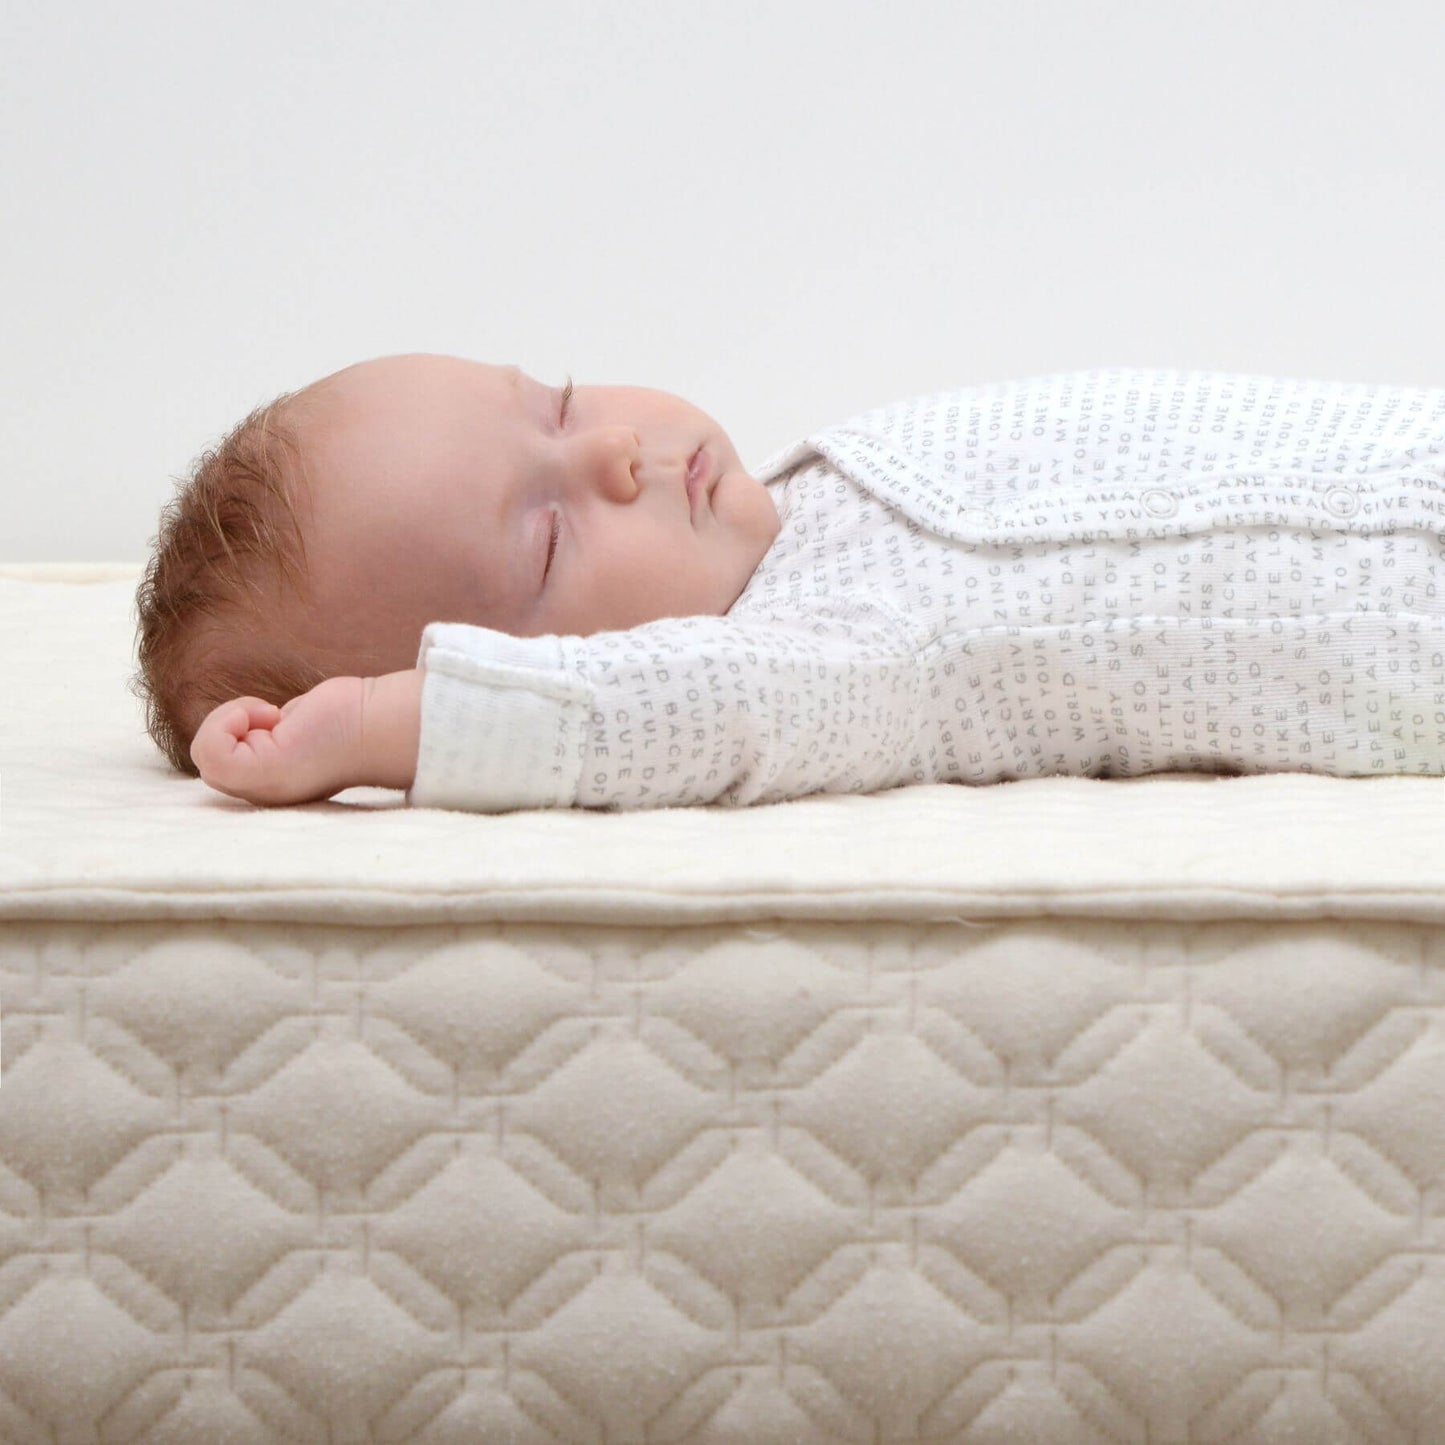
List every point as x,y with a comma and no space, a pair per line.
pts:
1342,501
1159,503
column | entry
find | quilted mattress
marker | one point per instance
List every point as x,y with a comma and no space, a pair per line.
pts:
1061,1110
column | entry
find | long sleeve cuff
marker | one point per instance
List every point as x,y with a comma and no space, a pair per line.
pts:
503,725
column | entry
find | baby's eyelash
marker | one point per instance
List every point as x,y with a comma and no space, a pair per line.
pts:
552,544
556,530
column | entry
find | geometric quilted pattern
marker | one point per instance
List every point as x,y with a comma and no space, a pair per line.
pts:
1053,1180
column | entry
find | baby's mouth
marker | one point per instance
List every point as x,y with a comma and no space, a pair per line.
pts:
699,474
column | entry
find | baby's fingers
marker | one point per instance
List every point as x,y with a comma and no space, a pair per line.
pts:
228,735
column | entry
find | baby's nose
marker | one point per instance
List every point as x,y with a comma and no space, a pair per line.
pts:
613,462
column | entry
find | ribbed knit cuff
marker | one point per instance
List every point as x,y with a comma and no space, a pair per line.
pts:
503,726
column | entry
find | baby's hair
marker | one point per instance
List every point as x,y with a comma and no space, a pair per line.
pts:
210,626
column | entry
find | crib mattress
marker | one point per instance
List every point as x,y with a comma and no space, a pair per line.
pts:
1057,1110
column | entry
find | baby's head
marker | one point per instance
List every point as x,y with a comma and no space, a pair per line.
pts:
323,533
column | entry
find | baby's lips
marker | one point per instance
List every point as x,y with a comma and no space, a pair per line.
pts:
699,473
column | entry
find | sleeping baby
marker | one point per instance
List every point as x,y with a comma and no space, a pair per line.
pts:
447,577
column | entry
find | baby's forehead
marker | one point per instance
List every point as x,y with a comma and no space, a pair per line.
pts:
396,455
414,377
421,403
419,433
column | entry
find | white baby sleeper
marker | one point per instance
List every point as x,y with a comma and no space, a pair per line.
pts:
1101,573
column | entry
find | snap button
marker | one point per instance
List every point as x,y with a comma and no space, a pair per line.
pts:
1159,503
978,516
1342,501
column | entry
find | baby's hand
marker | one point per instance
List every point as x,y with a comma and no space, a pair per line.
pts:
299,753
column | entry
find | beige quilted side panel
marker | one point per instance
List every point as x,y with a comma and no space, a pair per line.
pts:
1057,1181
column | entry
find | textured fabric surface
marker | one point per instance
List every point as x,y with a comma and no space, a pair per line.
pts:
1063,1181
1107,573
1065,1110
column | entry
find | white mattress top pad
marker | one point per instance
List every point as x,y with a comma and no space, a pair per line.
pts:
94,824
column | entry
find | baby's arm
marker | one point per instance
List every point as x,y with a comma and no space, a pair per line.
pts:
346,732
729,710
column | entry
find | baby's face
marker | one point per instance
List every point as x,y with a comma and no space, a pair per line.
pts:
435,484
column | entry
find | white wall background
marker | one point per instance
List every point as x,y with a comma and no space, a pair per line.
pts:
784,210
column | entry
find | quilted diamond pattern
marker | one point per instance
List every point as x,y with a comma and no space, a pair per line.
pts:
871,1182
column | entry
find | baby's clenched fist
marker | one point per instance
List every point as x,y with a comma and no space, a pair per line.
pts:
300,753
